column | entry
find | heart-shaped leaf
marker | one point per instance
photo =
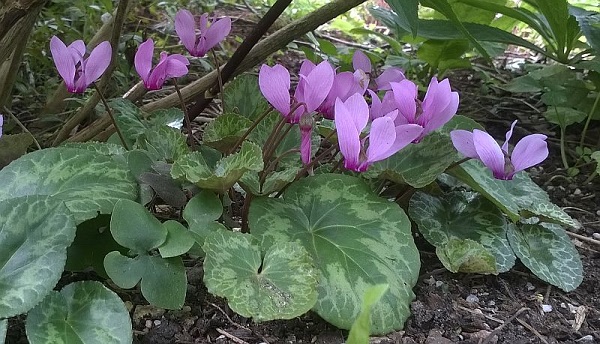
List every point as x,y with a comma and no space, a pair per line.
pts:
201,214
517,197
548,252
179,240
275,181
463,215
242,96
227,171
35,232
163,143
466,255
134,227
282,285
356,240
225,131
82,312
88,183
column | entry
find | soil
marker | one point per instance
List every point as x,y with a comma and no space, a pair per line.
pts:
513,307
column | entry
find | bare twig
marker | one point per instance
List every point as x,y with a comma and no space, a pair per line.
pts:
236,324
6,110
499,328
533,330
232,337
584,238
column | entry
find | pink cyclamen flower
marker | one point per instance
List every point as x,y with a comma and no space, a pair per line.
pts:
385,138
529,151
209,36
436,109
79,72
391,74
169,66
344,85
1,123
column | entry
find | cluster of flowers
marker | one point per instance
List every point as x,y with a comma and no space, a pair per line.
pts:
79,72
397,119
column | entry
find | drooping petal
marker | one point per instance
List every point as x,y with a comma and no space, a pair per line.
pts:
389,75
508,136
359,111
143,59
361,61
63,61
97,63
405,95
217,32
274,83
381,139
348,135
318,84
186,29
489,152
530,151
463,142
442,117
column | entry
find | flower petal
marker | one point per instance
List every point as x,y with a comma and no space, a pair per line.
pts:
405,95
274,83
143,59
217,32
489,152
361,61
530,151
176,66
318,84
63,61
442,117
405,134
186,29
389,75
381,139
97,63
359,111
341,88
508,136
463,142
348,135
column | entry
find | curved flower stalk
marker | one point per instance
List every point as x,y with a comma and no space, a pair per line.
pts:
77,71
169,66
529,151
199,43
384,139
436,109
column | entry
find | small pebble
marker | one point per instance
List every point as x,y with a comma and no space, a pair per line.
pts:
529,286
587,338
563,305
598,212
547,308
492,303
550,188
157,322
472,298
596,236
148,323
438,284
577,192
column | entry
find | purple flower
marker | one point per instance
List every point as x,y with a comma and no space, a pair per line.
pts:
389,75
382,107
529,151
344,85
436,109
361,61
1,123
79,72
385,138
171,66
209,36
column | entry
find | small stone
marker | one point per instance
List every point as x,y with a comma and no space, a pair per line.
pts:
577,192
550,188
547,308
598,212
438,284
563,305
529,286
596,236
492,303
148,323
587,338
472,298
157,322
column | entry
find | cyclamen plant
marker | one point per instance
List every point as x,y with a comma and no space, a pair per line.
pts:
314,235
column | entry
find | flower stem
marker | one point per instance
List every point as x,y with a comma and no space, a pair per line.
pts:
112,117
588,120
219,78
252,127
35,141
188,124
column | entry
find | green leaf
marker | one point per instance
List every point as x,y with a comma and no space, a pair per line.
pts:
517,198
97,147
522,84
135,227
242,96
82,312
225,131
172,117
163,143
361,328
163,280
201,214
356,240
548,252
435,51
274,182
3,328
463,215
556,14
128,117
282,285
227,171
13,147
420,164
35,232
408,10
564,115
178,242
88,183
466,255
590,25
596,157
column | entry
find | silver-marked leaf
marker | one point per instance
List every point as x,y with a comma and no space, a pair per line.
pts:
356,240
517,197
179,240
163,143
163,280
128,117
82,312
282,285
466,255
420,164
97,147
35,232
548,252
172,117
134,227
225,131
87,182
243,96
227,171
3,328
463,215
274,181
13,147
